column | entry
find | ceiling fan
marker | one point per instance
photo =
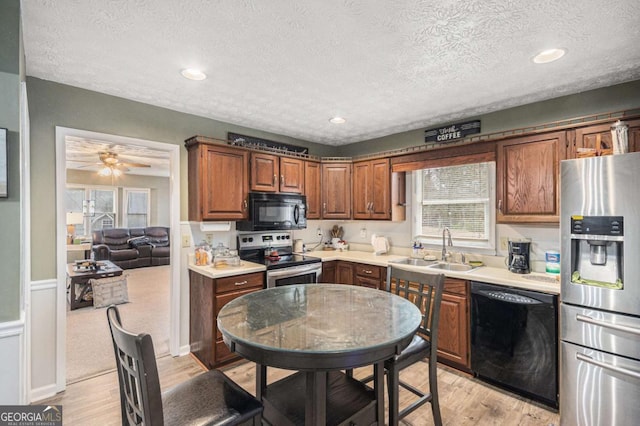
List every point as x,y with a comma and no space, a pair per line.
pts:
112,165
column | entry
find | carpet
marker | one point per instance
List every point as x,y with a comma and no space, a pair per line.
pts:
89,347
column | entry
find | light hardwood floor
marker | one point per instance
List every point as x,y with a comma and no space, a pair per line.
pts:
463,399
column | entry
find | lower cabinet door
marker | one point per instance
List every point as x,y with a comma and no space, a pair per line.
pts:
453,344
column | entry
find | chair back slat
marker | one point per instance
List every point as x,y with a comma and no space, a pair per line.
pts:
422,289
140,396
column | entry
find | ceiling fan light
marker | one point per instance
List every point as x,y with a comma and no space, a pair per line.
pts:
105,171
116,172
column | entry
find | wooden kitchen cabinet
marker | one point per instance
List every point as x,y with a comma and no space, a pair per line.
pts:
453,333
218,181
527,178
598,138
344,272
371,276
329,272
372,189
336,190
207,296
273,173
312,180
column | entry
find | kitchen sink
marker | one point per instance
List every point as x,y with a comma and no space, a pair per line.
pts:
414,262
448,266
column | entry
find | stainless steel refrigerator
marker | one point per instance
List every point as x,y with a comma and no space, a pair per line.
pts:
600,291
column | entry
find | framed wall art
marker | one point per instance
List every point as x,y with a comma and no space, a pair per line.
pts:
3,164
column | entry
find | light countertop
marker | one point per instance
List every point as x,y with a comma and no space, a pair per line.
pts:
535,281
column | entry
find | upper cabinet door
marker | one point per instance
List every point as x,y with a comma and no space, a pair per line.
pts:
380,189
291,175
312,182
597,139
528,176
336,190
362,182
265,172
218,183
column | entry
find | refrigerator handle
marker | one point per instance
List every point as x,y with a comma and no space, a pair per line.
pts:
623,328
620,370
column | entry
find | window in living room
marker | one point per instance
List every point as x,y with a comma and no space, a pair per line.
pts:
104,201
136,207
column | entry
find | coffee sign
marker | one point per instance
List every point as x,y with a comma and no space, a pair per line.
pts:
452,132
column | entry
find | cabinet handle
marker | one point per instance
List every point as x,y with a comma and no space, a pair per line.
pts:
324,208
500,206
275,179
244,204
282,180
371,206
241,283
366,271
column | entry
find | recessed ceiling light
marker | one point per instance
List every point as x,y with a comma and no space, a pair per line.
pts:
548,55
337,120
193,74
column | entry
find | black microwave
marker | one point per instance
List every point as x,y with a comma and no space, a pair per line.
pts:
275,212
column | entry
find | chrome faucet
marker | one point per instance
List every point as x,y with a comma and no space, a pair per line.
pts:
450,243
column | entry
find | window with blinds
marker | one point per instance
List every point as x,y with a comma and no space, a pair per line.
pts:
459,198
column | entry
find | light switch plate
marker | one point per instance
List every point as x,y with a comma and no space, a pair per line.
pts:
186,241
504,243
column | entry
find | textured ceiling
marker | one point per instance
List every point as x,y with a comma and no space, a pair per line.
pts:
287,66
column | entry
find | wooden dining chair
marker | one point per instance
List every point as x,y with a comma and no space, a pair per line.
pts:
425,291
210,398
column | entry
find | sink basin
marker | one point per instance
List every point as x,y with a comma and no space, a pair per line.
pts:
414,262
458,267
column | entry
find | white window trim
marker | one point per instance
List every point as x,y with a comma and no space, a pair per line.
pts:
125,199
485,246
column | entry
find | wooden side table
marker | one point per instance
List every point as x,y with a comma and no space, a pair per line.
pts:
78,282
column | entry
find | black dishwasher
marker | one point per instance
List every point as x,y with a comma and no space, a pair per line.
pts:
514,340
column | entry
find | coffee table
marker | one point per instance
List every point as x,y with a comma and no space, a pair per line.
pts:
78,282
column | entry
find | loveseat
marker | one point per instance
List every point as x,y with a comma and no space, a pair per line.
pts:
133,247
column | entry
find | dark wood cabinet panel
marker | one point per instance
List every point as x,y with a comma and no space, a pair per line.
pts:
218,182
344,272
329,272
291,175
206,297
336,190
312,184
272,173
528,178
453,334
264,172
372,189
598,139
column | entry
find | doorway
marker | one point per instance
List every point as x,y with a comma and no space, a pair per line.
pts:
67,136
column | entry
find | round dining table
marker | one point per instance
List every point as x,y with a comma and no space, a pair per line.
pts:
319,330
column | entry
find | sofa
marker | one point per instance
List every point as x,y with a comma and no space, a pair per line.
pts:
133,247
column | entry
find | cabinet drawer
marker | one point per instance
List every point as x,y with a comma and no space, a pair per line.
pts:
240,282
223,353
368,271
454,286
223,300
368,282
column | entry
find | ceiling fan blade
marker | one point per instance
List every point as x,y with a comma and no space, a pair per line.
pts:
132,165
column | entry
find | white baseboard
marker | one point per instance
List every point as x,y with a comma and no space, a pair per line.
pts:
43,392
184,350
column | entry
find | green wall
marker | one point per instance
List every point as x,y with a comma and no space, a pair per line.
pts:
52,104
609,99
11,72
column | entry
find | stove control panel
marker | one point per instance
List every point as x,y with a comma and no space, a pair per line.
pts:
264,240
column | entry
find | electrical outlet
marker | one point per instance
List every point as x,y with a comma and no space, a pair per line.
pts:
363,233
319,232
186,241
504,243
208,238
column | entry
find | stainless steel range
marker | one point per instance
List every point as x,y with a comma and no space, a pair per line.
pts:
275,250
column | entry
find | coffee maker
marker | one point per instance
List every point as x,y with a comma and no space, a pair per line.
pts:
519,256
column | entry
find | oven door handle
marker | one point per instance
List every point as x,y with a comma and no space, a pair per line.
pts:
623,328
295,270
615,369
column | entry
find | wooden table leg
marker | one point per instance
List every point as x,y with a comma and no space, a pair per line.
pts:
315,412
